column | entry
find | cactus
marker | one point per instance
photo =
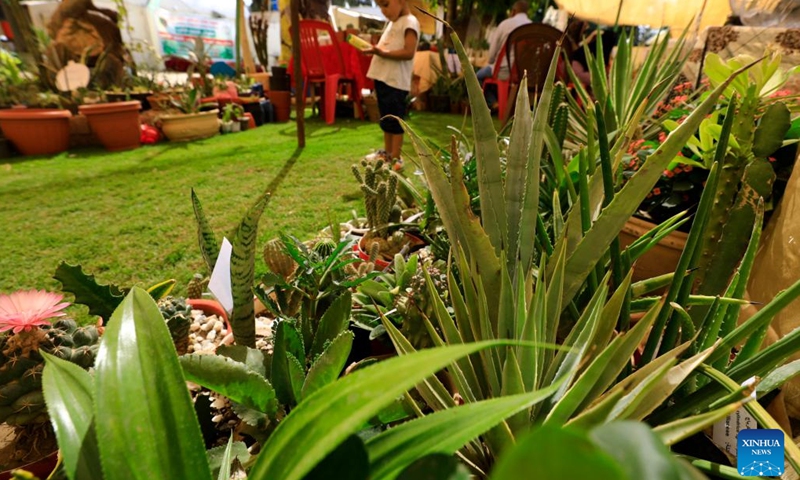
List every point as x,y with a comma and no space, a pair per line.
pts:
178,316
380,192
21,366
197,285
278,261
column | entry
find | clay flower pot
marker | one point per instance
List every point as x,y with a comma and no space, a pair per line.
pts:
194,126
36,131
414,243
115,124
659,260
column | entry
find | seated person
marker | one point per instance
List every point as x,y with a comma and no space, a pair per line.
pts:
497,40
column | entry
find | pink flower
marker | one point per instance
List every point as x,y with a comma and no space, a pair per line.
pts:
26,310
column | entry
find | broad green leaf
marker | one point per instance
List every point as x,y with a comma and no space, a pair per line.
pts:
255,359
556,452
231,379
333,322
209,245
329,365
347,462
287,343
436,466
444,431
637,450
326,418
68,394
146,426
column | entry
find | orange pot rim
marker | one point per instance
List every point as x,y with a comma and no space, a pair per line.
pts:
34,114
111,107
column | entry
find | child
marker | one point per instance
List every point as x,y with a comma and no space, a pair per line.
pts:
391,69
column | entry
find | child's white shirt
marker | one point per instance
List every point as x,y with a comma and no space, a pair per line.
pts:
395,73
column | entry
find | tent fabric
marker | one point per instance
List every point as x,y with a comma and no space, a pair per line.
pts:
676,14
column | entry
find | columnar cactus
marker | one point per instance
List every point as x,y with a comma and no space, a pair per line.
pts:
380,192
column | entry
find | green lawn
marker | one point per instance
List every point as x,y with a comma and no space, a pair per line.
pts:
127,217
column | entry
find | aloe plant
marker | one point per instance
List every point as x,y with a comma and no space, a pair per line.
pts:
573,286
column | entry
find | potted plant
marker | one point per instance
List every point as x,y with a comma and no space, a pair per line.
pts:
230,118
116,124
383,239
190,123
40,126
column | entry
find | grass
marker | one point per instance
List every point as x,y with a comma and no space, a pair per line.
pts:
127,217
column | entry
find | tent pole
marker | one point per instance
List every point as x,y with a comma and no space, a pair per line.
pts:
300,107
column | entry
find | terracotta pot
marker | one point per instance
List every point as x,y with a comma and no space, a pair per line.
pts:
210,307
183,127
40,468
282,104
659,260
115,124
35,131
381,263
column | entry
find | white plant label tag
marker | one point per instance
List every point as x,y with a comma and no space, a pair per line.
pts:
726,431
220,282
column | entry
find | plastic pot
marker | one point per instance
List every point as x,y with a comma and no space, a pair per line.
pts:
36,131
115,124
182,128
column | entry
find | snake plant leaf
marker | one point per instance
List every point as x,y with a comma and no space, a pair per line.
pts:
231,379
327,367
68,393
242,319
209,245
555,452
613,217
325,419
348,461
487,154
436,466
146,426
444,431
161,289
101,299
333,322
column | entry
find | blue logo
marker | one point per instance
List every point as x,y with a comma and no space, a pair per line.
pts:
759,453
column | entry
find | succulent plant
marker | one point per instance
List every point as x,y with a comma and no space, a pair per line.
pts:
178,316
21,365
380,192
278,260
197,285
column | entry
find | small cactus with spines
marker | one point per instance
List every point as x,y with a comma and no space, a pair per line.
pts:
178,316
24,339
197,285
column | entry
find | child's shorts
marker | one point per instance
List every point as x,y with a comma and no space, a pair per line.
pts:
391,101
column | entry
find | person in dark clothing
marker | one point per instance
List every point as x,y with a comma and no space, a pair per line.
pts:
585,34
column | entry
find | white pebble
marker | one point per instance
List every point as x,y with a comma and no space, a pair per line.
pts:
224,332
218,325
194,327
212,335
218,403
207,326
217,418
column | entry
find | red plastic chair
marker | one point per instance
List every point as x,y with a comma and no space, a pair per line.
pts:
503,86
325,65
